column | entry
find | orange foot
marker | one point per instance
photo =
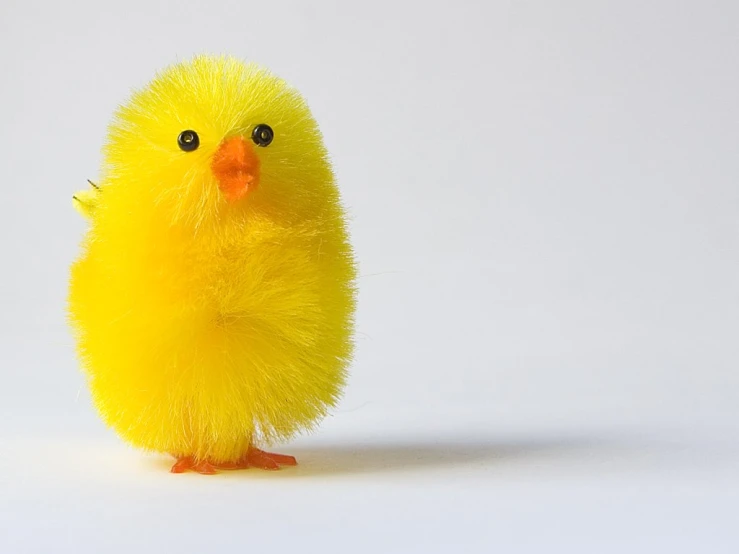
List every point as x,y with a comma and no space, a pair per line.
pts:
253,458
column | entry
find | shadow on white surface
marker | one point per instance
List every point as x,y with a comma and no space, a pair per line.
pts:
392,457
414,456
564,455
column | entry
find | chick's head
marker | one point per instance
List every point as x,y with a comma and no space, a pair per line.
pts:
215,138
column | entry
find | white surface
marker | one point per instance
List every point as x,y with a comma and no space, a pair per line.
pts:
546,212
363,488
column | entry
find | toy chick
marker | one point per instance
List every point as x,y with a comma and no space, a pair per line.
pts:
213,298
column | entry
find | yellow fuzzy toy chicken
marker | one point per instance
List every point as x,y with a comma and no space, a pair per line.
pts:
213,298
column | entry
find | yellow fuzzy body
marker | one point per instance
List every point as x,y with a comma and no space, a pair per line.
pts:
206,325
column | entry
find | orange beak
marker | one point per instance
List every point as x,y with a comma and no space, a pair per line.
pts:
236,167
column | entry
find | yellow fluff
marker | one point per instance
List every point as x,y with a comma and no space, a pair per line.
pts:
208,322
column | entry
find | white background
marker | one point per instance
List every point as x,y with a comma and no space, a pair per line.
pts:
545,207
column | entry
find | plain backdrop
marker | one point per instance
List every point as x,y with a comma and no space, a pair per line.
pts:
544,202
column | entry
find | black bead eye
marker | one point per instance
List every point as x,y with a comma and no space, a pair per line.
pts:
262,135
188,141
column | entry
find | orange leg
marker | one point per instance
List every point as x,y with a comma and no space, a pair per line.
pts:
254,457
184,464
267,460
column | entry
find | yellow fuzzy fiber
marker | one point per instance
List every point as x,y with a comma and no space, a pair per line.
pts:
206,325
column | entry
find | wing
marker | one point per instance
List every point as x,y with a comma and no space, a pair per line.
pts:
86,201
